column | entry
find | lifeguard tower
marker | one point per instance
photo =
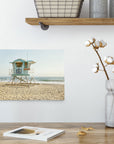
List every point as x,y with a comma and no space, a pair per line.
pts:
20,71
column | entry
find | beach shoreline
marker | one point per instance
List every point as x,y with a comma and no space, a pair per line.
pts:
33,91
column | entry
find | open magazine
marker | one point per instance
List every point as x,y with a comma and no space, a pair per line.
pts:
34,133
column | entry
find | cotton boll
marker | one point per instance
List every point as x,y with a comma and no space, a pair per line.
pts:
105,58
87,44
95,66
96,44
110,60
95,70
92,40
102,44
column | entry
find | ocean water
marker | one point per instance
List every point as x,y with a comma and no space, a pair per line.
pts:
49,80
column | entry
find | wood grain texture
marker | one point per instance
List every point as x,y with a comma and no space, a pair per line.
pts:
101,134
70,21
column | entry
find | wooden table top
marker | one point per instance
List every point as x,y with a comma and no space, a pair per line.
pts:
101,134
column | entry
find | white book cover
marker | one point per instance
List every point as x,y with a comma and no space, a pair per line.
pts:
34,133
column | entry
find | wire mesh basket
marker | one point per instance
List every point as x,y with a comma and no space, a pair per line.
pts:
58,8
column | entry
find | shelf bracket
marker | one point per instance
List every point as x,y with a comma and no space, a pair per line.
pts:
43,26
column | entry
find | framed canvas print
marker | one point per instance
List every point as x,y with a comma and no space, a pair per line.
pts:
32,74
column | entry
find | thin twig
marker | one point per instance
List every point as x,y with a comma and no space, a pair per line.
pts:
101,62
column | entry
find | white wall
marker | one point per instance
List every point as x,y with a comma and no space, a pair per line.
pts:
84,91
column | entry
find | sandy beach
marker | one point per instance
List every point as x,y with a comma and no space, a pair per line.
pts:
31,91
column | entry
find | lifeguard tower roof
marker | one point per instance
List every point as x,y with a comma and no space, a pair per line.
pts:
22,60
21,67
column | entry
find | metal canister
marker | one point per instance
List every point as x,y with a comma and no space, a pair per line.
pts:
98,8
112,8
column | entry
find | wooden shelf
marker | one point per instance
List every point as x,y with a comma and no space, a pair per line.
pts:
45,22
70,21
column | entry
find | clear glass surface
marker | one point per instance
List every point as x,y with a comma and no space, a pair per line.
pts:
109,103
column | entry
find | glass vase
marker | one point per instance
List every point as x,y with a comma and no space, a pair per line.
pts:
109,104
